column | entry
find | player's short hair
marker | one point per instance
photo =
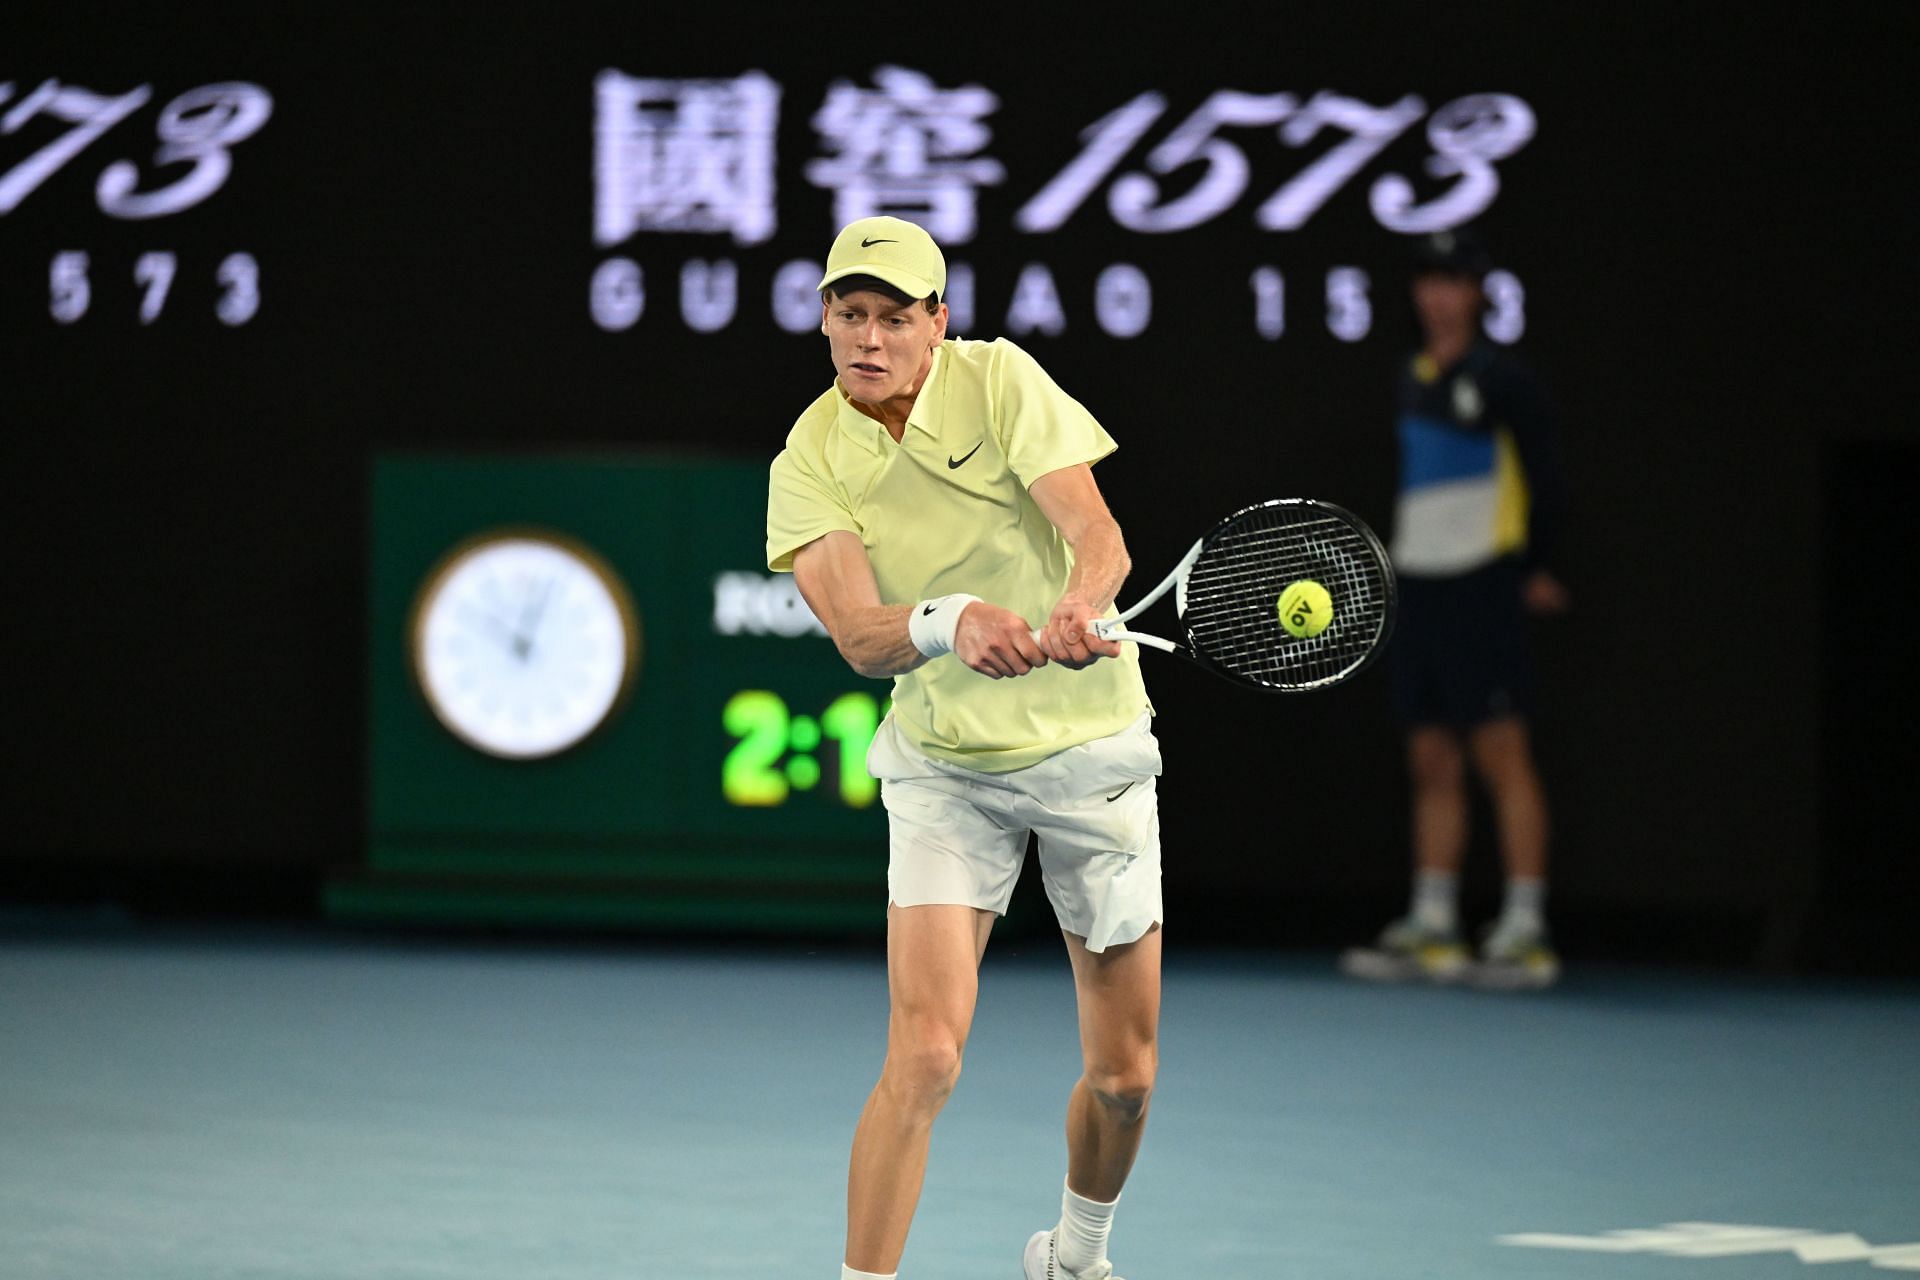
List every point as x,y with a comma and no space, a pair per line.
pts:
873,284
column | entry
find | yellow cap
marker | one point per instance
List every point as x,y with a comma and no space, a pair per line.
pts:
890,249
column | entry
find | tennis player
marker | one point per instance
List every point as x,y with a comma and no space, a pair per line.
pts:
936,506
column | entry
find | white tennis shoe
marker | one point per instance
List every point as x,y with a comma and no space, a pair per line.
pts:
1408,951
1516,959
1042,1265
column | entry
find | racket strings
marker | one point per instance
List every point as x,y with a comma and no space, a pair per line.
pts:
1233,590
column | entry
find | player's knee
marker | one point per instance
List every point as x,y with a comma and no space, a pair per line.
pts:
1436,761
1508,777
1504,762
1123,1088
923,1066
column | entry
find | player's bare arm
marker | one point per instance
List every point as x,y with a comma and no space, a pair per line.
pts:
836,579
1070,498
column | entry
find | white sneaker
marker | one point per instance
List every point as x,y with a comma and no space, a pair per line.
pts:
1040,1263
1408,952
1514,959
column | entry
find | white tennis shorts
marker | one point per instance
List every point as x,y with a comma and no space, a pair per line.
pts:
958,836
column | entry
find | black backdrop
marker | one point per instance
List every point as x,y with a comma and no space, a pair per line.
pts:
1711,227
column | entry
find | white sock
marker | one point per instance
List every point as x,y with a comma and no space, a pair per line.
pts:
1082,1235
848,1273
1435,901
1524,906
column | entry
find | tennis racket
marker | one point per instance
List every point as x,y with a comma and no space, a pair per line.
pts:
1227,589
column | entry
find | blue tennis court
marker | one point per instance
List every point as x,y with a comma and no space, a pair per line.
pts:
179,1105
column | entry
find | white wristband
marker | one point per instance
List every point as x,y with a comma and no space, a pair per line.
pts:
933,622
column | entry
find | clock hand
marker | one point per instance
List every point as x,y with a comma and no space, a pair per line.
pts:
530,625
505,634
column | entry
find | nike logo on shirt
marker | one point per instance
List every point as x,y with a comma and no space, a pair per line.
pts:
954,464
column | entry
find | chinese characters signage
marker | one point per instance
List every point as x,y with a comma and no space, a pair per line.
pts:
702,156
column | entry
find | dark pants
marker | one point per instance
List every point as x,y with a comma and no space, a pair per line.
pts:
1459,651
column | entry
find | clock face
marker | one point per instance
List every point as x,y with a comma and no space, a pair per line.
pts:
523,644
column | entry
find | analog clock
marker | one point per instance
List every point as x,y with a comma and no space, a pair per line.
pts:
523,642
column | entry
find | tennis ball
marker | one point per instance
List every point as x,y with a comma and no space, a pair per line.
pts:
1305,609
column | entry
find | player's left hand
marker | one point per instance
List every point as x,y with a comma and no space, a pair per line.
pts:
1069,639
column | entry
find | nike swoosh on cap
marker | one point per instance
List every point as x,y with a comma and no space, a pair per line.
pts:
868,244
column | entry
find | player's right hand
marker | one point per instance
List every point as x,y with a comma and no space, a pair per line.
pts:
1543,594
996,642
1069,638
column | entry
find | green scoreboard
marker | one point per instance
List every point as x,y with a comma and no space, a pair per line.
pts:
591,705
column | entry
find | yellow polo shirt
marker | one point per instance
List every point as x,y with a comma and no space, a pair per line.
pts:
947,509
